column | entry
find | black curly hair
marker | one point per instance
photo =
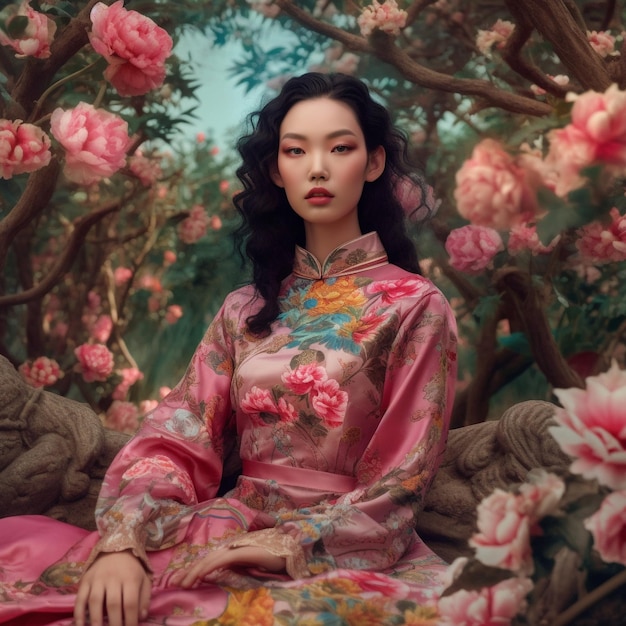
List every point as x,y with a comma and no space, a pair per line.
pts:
270,229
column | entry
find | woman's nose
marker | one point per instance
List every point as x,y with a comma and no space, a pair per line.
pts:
318,169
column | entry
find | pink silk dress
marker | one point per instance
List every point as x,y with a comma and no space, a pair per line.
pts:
336,423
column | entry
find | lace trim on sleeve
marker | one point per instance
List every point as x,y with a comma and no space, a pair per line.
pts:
118,542
278,544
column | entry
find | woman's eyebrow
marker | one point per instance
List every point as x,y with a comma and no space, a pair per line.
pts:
335,133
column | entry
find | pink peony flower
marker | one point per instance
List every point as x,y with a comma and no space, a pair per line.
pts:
35,39
133,45
386,17
491,606
503,538
122,416
591,427
473,248
96,361
599,243
493,190
417,200
497,36
147,170
101,329
602,42
23,148
523,237
329,402
173,313
42,372
194,227
597,134
540,494
263,409
608,527
95,142
304,378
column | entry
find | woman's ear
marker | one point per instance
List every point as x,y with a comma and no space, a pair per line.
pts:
275,176
375,164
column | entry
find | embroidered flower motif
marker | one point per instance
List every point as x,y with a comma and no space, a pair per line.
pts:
330,402
394,290
304,378
264,410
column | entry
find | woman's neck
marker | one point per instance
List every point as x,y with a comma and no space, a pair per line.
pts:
322,239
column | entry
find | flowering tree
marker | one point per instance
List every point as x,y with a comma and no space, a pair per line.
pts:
96,209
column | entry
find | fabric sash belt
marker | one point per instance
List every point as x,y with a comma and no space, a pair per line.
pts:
299,477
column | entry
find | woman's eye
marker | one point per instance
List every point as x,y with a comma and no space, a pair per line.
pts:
294,151
342,148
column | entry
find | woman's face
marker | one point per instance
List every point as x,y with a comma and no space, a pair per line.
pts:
323,162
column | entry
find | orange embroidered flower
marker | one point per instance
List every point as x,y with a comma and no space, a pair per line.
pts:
326,297
253,607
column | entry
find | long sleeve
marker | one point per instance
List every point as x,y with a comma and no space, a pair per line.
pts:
175,459
373,525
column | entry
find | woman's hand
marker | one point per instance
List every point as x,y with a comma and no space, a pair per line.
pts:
227,558
117,582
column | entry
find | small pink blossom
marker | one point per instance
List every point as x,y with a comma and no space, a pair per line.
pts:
122,416
194,227
215,222
95,360
524,237
385,16
489,606
224,186
147,170
473,248
101,329
330,402
23,148
95,142
169,258
133,45
130,375
602,42
42,372
200,137
494,190
497,36
121,275
608,528
503,538
304,378
591,427
540,494
35,39
603,243
173,313
146,406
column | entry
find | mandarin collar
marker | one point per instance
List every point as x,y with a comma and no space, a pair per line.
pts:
360,254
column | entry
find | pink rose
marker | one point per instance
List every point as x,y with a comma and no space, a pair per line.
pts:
42,372
96,361
194,227
591,427
540,494
122,416
95,142
523,237
35,39
493,190
490,606
473,248
602,42
599,243
330,402
147,170
497,36
130,375
304,378
394,290
133,45
608,527
386,17
23,148
503,538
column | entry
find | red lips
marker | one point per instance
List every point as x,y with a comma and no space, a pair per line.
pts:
319,192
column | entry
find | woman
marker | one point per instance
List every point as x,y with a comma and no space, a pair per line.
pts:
329,381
